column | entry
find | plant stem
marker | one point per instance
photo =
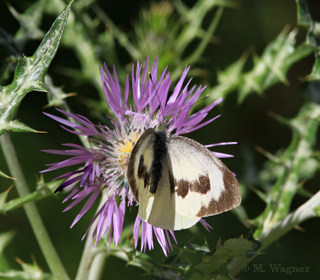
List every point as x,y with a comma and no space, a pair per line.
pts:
97,266
304,212
32,213
92,258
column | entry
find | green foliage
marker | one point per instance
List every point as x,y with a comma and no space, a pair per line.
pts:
268,69
313,36
42,191
5,239
29,22
28,272
209,264
293,165
4,175
215,263
317,210
173,39
29,76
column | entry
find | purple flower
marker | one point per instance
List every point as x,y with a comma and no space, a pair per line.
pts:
104,164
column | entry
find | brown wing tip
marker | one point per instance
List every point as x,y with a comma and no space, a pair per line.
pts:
229,198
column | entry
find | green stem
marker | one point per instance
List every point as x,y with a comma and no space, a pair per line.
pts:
92,258
32,213
304,212
205,40
97,266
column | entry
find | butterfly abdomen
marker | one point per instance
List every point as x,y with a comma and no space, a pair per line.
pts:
160,149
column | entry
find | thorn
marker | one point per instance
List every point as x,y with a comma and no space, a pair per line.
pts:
279,118
71,94
9,177
19,261
272,114
261,253
259,193
267,154
299,228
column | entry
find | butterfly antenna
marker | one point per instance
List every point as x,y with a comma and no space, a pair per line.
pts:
189,106
205,97
154,86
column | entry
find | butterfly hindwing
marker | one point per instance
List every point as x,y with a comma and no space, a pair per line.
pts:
159,209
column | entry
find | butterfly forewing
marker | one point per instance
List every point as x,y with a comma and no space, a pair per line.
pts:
140,162
204,186
159,208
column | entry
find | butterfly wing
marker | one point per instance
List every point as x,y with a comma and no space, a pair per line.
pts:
203,185
194,182
140,163
157,208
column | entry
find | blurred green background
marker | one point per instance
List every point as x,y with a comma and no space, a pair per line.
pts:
245,29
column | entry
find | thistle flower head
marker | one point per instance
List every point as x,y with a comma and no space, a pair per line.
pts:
103,166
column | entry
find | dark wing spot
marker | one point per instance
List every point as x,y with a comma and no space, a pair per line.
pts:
215,206
133,183
131,171
142,172
141,168
202,185
171,181
146,179
228,199
182,187
159,153
131,180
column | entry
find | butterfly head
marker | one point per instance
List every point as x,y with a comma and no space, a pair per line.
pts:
162,133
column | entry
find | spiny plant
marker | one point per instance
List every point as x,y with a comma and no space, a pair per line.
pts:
178,40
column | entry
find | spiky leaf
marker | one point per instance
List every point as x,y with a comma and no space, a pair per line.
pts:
5,239
29,271
272,67
29,75
216,263
313,36
268,69
295,164
29,22
303,14
3,197
43,190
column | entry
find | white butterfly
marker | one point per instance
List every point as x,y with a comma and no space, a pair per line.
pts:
176,180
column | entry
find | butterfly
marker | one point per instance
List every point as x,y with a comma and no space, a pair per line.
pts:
177,181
